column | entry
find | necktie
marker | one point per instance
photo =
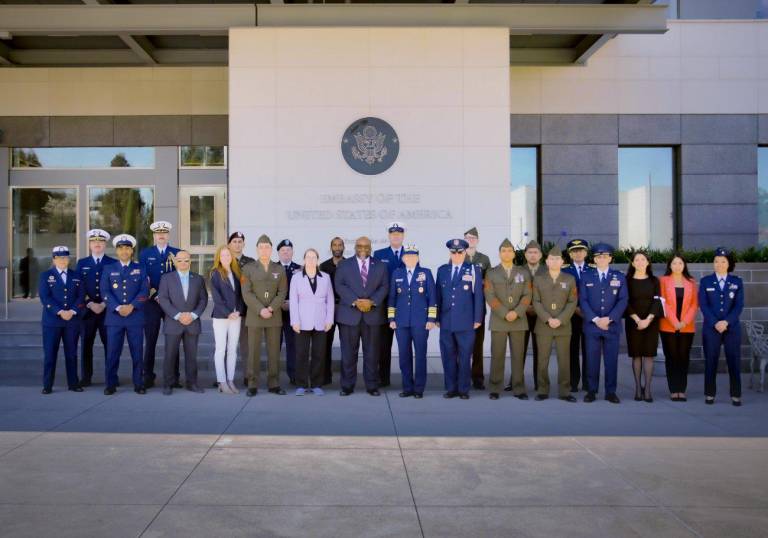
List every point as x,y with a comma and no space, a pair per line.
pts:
364,272
64,276
602,278
455,273
409,277
722,284
397,256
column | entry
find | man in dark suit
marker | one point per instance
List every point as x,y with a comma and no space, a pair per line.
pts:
362,284
285,255
183,298
392,256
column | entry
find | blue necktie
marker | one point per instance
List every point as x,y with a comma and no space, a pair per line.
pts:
455,273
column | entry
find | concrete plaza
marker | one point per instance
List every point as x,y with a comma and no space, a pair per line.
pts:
213,465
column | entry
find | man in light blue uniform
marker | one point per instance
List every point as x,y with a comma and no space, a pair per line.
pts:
460,311
125,288
602,298
392,256
412,314
61,292
157,260
90,268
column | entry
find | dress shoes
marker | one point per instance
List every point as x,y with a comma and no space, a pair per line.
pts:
109,391
345,392
77,388
277,390
374,392
405,394
494,396
195,388
568,398
463,396
589,397
541,397
139,390
522,396
508,388
418,395
252,392
735,403
450,394
46,390
612,398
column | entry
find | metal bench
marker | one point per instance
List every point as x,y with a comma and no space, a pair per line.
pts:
758,339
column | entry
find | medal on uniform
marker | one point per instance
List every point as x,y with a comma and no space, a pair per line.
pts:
399,290
114,285
554,306
466,287
731,295
421,290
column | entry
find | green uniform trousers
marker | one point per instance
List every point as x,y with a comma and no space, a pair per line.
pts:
252,367
499,342
563,350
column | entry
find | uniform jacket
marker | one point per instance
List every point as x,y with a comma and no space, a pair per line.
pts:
480,261
226,297
156,266
90,272
263,288
505,294
412,305
172,301
690,305
349,286
460,301
387,256
719,305
598,299
312,311
129,285
289,272
56,296
554,299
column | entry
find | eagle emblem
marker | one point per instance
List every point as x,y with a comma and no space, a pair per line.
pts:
369,145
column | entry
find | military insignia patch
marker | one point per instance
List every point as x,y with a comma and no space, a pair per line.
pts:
370,146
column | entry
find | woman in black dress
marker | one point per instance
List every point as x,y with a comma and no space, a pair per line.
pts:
642,322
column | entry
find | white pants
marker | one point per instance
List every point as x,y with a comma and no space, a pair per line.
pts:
227,335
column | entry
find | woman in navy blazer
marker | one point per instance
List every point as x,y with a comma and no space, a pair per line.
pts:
721,299
227,307
311,306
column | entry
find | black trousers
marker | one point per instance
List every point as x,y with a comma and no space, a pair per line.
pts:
90,325
310,358
289,337
351,335
171,361
530,335
385,354
328,359
578,345
477,354
677,357
153,318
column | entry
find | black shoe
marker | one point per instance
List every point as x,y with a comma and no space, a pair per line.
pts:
177,385
508,388
195,388
167,391
450,394
568,398
405,394
215,385
682,399
346,392
613,398
277,390
85,383
464,396
149,383
522,396
735,403
589,397
46,390
252,392
418,395
374,392
139,390
494,396
478,384
541,397
76,389
709,400
649,399
109,391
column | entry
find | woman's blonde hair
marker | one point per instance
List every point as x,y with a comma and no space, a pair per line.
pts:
234,265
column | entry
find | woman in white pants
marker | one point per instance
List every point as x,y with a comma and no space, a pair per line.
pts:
227,306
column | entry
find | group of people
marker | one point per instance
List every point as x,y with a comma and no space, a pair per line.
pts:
375,297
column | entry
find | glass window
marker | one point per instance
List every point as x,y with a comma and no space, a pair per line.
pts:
122,210
79,158
762,195
203,156
42,218
523,195
201,216
646,198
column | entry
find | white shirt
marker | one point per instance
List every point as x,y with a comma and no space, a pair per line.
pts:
96,259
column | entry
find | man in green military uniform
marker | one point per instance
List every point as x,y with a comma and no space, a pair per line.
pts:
481,264
264,286
554,300
508,294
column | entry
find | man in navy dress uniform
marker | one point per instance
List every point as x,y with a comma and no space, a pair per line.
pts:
577,252
90,269
460,311
602,298
61,292
285,256
392,256
125,289
412,314
157,260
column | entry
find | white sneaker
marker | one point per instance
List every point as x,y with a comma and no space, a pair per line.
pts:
300,391
318,391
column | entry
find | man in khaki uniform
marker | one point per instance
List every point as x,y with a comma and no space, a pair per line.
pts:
554,300
508,294
264,286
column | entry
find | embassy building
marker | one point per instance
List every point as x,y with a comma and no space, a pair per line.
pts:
639,123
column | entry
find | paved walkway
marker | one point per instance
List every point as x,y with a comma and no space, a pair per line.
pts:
214,465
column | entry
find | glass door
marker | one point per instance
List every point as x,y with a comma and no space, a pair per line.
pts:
203,223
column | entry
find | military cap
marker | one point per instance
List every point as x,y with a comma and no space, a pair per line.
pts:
395,227
532,244
264,238
124,240
506,244
284,243
97,234
410,248
722,251
472,231
59,251
161,226
602,248
555,251
575,244
236,235
457,245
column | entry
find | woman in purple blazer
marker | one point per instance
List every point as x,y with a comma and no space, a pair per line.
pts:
311,304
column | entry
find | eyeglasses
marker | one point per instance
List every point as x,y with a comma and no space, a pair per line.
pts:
182,261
